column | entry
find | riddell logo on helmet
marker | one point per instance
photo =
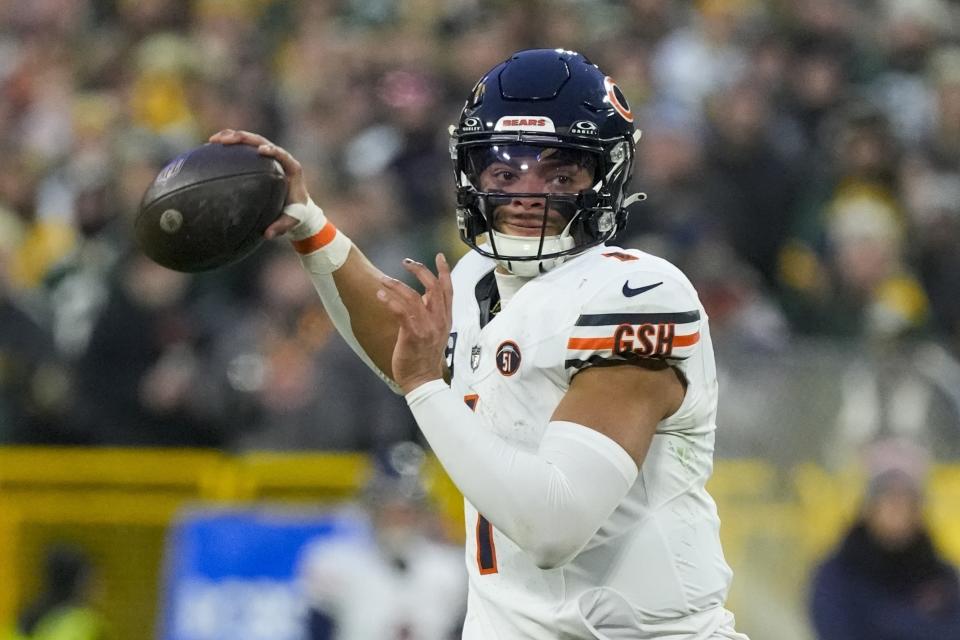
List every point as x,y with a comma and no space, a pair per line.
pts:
524,123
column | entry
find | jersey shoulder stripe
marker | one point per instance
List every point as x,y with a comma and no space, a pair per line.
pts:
614,326
611,343
603,319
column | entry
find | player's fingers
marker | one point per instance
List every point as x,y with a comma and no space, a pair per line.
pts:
407,317
221,135
442,266
434,298
280,226
291,166
443,275
421,314
421,273
296,184
401,291
405,321
393,304
445,282
429,314
253,139
233,136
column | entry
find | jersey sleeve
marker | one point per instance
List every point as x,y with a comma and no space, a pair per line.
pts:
643,317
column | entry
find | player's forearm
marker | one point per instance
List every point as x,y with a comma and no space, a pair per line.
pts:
343,295
550,503
375,329
347,283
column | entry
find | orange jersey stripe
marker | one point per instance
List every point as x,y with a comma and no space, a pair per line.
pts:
317,241
590,343
607,343
686,341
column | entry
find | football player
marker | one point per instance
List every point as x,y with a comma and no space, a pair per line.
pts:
568,387
397,583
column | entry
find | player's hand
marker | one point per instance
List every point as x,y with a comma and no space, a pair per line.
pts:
424,322
296,184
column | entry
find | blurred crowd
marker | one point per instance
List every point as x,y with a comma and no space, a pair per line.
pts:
801,157
886,579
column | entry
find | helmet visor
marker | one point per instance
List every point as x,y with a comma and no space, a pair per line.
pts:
524,168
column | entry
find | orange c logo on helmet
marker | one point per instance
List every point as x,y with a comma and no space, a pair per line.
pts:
617,100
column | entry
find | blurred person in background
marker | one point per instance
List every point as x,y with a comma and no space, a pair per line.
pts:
675,221
829,52
751,185
908,36
403,582
816,89
688,218
284,381
139,380
703,55
845,271
887,580
76,284
66,606
34,383
930,176
942,144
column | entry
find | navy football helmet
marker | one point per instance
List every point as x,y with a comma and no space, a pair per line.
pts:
550,115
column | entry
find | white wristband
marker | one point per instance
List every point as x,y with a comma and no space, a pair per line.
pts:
425,390
322,247
310,219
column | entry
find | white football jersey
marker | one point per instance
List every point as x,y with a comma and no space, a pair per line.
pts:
369,597
655,568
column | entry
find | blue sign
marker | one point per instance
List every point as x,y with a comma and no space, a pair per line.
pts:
232,575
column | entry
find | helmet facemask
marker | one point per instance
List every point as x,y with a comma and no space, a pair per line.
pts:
536,202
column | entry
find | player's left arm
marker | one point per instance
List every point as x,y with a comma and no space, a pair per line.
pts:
549,502
623,402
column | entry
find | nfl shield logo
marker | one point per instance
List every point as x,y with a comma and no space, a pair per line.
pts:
475,357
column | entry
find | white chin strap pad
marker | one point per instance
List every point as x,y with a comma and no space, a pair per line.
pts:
527,246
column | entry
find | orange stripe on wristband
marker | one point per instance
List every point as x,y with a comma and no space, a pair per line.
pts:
317,241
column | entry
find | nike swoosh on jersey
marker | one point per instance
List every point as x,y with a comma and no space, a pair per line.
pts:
630,292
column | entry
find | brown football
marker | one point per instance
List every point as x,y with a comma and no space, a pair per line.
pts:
209,207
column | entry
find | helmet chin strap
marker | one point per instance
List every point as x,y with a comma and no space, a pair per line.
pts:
528,246
636,197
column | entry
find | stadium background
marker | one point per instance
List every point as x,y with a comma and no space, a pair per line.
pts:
802,160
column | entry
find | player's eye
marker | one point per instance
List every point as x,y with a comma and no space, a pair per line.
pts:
563,177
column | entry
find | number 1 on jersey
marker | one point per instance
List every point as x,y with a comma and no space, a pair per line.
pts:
486,551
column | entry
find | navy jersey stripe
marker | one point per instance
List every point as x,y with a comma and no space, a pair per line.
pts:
485,545
604,319
614,360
